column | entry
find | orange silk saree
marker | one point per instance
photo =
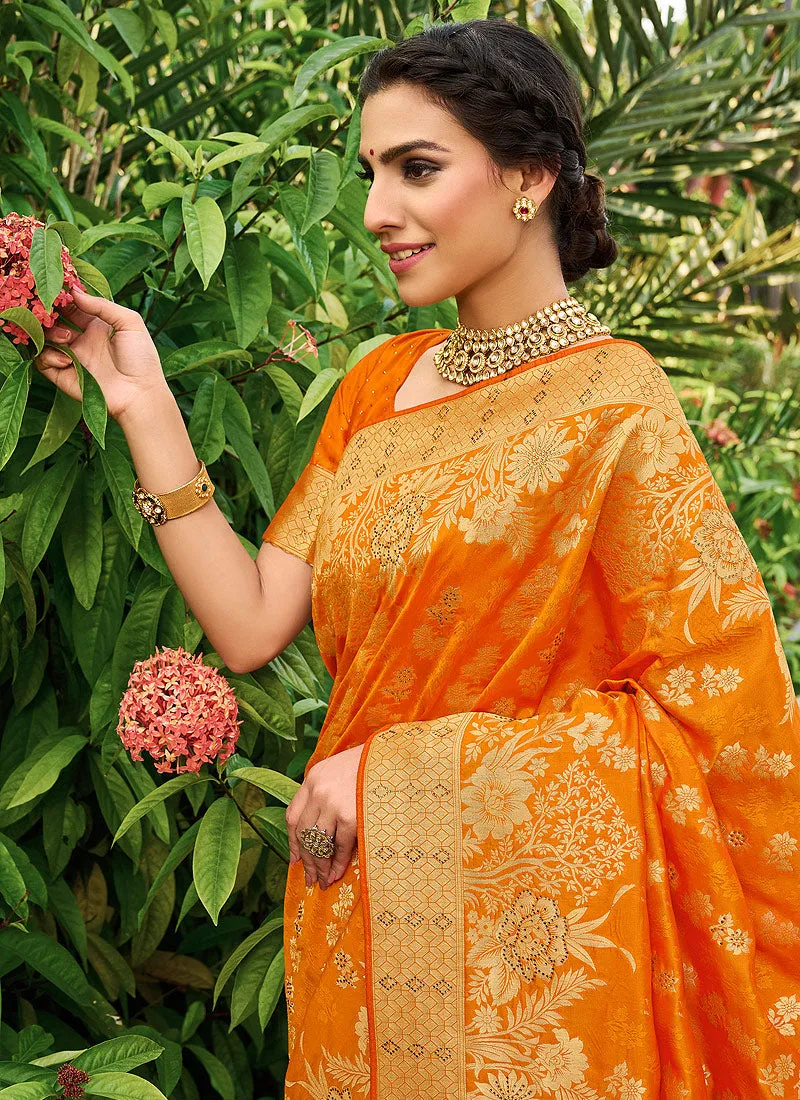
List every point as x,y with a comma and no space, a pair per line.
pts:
579,801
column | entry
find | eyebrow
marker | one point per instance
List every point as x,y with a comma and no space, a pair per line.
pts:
396,151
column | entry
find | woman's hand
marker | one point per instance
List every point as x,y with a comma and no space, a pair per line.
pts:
112,343
327,798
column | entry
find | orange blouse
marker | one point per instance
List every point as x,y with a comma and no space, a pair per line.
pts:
578,807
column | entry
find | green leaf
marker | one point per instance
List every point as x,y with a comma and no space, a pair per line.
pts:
323,187
249,978
46,508
136,231
320,387
334,53
175,147
62,19
30,1090
115,800
69,233
156,797
35,775
206,429
92,278
273,821
95,630
63,904
122,1086
27,321
274,783
120,477
136,640
216,855
95,410
218,1075
240,951
205,234
51,960
46,265
130,28
250,458
13,398
65,412
30,874
247,282
156,195
82,538
238,152
178,852
271,709
12,884
194,356
25,1072
271,989
118,1055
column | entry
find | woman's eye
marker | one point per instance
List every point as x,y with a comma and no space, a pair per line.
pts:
410,171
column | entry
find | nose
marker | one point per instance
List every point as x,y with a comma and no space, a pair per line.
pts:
381,211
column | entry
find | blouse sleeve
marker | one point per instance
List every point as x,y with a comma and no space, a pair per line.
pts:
294,526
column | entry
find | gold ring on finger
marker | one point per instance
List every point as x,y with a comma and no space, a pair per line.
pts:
317,841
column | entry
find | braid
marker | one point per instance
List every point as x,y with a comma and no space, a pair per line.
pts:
511,91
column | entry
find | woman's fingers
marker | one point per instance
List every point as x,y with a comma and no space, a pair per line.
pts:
346,840
120,317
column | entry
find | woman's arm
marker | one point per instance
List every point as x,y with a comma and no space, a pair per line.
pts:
249,610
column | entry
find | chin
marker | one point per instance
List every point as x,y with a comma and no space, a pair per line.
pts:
420,298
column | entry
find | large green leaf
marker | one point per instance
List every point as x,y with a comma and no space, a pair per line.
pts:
13,397
206,429
274,783
46,265
30,1090
271,989
40,769
118,1055
46,507
122,1086
205,234
215,859
62,419
82,538
156,797
248,285
240,951
51,960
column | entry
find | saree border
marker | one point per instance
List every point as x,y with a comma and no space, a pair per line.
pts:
409,835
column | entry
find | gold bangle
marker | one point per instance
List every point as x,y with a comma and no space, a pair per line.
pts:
158,508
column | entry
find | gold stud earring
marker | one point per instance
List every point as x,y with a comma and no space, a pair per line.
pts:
525,209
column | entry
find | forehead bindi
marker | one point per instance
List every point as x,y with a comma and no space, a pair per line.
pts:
395,151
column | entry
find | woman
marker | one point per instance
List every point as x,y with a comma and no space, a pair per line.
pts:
546,845
562,725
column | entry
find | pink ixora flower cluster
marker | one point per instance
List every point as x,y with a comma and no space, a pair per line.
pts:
17,284
175,706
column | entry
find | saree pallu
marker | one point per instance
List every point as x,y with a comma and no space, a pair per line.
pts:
578,803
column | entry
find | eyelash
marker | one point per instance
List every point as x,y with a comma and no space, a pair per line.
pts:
428,170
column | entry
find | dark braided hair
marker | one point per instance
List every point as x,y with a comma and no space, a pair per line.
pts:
509,89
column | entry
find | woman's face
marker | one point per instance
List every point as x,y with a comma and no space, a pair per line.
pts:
449,197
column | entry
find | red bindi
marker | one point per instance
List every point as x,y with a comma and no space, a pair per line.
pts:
372,152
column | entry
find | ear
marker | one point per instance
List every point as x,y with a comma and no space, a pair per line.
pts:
535,181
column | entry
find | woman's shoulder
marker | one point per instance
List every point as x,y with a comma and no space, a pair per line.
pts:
633,375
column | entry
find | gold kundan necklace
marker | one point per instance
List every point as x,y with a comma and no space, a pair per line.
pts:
470,355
